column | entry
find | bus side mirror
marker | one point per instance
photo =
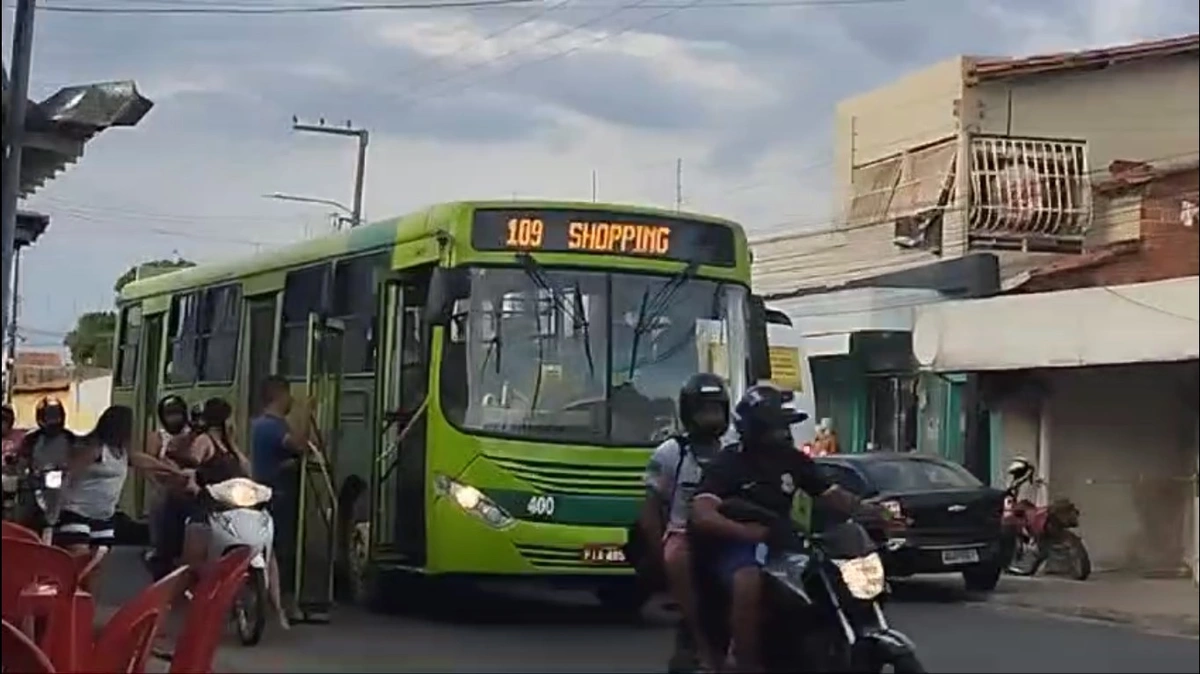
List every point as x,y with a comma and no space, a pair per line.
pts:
760,351
446,286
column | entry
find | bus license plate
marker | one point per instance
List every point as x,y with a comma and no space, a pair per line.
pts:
603,554
966,556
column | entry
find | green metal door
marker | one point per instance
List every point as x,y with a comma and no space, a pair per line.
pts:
316,534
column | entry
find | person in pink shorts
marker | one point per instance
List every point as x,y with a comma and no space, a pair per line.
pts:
672,475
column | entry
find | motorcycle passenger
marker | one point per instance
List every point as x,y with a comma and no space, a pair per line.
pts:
217,458
168,514
765,469
672,475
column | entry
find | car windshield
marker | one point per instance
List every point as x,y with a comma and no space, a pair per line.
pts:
585,356
918,475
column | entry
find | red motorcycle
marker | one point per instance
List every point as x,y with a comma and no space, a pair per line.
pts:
1034,535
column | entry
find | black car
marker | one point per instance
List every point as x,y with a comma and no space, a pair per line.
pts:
946,520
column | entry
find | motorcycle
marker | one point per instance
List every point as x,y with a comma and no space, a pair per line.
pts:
826,588
1034,535
241,519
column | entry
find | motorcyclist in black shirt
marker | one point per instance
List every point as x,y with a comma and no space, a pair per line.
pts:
766,469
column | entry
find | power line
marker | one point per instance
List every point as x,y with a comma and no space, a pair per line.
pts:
234,9
296,9
604,37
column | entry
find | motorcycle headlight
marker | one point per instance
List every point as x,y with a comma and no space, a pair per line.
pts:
863,576
53,479
472,501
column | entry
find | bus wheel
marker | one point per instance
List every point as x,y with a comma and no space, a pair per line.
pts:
623,599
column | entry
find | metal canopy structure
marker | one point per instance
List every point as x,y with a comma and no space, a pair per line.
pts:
57,128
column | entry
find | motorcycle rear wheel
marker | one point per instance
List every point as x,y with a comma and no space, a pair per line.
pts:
250,608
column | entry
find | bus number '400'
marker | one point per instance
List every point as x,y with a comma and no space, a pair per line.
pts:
540,506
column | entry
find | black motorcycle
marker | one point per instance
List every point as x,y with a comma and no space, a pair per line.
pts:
822,600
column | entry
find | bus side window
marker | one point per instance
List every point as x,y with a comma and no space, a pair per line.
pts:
354,302
304,292
185,321
127,351
217,334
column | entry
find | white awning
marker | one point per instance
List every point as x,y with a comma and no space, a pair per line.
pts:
1140,323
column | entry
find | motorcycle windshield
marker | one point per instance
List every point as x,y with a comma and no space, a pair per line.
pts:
846,540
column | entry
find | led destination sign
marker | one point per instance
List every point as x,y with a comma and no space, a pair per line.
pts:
604,233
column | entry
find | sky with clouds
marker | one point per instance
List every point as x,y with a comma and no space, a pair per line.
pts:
524,101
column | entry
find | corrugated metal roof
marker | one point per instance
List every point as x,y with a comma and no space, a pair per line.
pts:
59,127
981,69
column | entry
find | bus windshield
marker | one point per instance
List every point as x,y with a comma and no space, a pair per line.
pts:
586,357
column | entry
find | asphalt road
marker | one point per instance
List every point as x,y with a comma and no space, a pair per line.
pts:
565,633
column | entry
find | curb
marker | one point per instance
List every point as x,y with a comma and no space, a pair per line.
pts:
1180,625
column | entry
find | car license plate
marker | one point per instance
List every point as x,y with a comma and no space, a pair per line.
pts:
603,554
965,556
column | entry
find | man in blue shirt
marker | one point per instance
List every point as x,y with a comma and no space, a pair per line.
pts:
274,451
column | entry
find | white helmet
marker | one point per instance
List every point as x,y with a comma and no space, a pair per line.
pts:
1020,468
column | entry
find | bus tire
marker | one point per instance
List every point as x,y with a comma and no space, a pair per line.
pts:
623,599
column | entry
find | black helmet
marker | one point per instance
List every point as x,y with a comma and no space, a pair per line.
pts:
763,416
50,413
172,404
700,391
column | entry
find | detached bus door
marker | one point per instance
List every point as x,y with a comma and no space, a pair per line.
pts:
317,526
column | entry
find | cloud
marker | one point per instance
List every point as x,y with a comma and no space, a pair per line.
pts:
470,104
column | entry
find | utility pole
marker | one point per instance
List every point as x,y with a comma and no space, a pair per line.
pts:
593,186
10,354
14,140
360,167
678,184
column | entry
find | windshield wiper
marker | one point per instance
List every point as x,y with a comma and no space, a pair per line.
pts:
578,320
653,307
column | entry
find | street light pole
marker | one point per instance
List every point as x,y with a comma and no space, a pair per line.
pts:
14,140
360,168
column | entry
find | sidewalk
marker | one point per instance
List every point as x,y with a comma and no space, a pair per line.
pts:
1161,605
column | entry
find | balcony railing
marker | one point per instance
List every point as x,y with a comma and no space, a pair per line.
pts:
1029,194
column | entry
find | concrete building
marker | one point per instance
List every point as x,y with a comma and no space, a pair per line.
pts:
992,154
37,374
1076,173
1089,367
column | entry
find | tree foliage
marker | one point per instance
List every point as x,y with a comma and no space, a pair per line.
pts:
148,269
91,341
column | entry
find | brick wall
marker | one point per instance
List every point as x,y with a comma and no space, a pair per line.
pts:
1169,246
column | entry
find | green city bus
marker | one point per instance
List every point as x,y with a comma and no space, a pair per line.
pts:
487,379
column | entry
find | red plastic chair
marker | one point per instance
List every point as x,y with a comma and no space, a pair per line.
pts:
123,644
20,654
212,598
28,564
14,530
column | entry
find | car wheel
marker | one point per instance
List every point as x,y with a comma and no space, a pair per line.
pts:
982,577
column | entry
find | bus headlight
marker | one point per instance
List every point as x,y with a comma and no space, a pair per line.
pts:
863,576
471,500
